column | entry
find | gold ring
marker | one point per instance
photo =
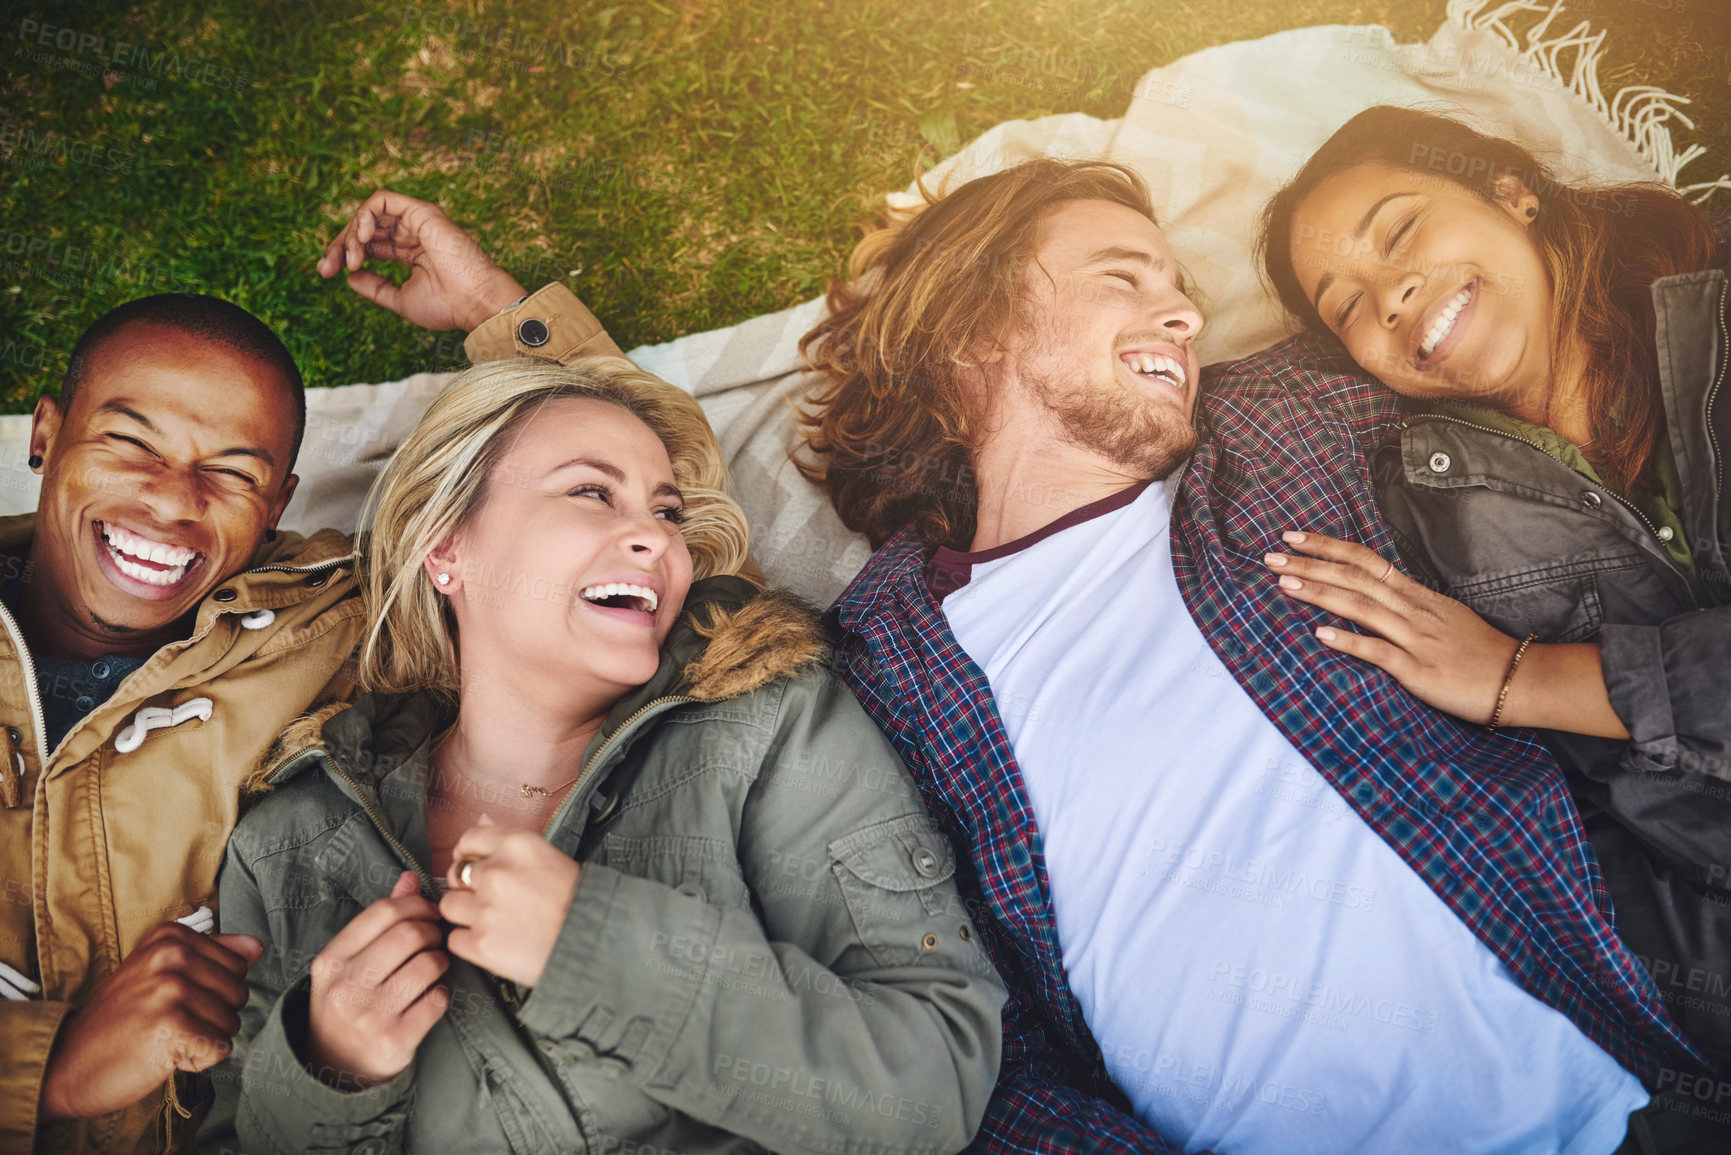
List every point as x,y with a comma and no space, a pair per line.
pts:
1386,572
464,867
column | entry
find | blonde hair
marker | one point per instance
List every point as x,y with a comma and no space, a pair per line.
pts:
438,479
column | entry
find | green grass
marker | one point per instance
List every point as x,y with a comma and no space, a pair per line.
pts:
682,165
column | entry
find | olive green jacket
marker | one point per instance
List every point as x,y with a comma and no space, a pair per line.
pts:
765,948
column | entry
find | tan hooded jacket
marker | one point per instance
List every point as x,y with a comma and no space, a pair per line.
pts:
98,846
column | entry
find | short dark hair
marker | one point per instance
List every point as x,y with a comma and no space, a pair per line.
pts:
196,315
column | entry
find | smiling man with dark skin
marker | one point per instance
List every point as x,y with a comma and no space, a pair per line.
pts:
158,634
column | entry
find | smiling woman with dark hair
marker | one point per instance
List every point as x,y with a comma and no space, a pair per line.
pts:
1561,354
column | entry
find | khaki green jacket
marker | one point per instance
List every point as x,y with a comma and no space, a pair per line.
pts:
97,846
765,950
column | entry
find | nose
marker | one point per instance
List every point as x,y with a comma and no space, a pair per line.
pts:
171,495
646,536
1395,299
1178,316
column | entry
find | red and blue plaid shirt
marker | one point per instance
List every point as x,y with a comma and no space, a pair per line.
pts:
1486,820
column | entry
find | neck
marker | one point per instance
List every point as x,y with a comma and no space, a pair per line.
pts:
513,729
1560,403
1029,479
55,629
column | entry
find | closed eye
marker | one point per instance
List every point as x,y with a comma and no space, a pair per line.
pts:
131,441
1399,231
1345,313
1127,277
235,473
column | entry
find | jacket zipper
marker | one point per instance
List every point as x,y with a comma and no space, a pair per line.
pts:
595,758
1713,393
32,691
379,824
1651,528
312,567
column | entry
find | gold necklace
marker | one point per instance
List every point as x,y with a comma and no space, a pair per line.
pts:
525,789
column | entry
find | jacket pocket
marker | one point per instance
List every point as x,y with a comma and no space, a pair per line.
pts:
895,878
706,869
1558,608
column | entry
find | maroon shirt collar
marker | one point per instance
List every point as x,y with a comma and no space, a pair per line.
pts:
949,570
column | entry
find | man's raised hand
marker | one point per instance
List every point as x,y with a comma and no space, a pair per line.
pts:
172,1004
452,284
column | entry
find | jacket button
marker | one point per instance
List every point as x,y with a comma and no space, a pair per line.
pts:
533,333
14,735
1439,463
1666,533
1591,500
925,862
225,595
692,890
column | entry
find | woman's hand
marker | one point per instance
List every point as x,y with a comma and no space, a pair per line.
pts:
509,914
1443,653
452,284
373,998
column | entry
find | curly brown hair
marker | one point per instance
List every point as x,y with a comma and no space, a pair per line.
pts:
888,429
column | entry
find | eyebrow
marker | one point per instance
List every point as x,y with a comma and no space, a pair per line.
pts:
1357,234
1120,253
617,474
236,451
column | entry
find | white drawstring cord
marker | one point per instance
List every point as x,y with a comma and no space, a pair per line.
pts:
19,989
158,717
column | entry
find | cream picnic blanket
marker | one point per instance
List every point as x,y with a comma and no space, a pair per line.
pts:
1214,134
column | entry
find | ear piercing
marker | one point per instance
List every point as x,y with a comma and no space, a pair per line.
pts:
1532,211
270,535
35,461
444,579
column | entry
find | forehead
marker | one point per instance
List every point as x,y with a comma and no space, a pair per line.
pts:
186,384
568,427
1071,232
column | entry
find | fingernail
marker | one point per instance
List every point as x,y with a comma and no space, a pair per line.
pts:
1325,634
1291,583
1274,559
1292,535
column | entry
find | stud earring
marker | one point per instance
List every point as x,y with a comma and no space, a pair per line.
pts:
444,579
270,535
35,461
1532,211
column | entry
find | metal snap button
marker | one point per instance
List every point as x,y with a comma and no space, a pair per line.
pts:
1439,463
692,890
1591,500
225,595
930,942
925,862
1666,533
533,333
15,735
99,670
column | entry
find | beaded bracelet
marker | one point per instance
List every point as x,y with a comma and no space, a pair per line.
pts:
1508,680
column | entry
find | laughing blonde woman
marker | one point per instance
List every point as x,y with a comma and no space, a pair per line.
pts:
607,860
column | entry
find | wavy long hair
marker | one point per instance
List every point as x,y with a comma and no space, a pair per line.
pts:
438,479
889,429
1603,245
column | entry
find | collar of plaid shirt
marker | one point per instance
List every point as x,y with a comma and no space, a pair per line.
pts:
1487,821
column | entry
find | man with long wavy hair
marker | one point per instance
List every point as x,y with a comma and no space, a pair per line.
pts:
1296,909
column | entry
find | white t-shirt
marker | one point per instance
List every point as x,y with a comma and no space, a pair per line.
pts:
1262,971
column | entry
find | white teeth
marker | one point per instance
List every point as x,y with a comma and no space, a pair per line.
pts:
1445,322
127,549
622,589
1148,364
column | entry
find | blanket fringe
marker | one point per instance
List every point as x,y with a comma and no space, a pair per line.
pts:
1639,112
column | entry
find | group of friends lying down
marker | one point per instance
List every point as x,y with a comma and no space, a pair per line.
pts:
1328,751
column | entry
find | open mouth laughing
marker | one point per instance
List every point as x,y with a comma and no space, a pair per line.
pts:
1441,322
624,599
162,566
1158,365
